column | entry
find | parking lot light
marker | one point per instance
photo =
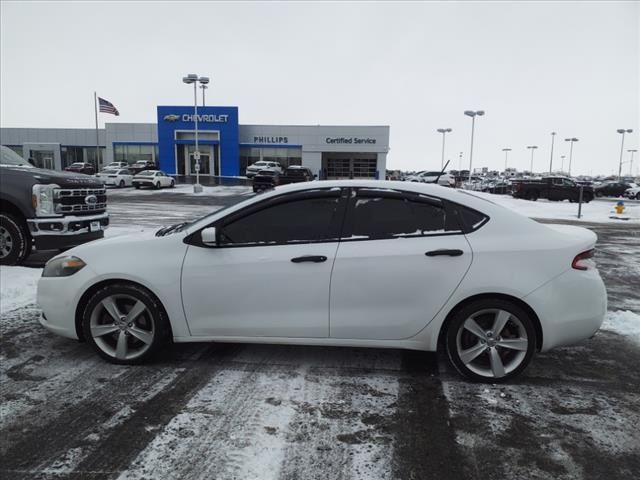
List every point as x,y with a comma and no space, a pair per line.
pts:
506,157
472,114
553,136
533,149
622,131
193,78
443,131
631,151
572,140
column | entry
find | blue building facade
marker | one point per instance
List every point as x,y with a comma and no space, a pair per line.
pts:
218,140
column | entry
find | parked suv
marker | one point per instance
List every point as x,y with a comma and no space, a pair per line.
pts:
46,209
141,166
81,167
253,169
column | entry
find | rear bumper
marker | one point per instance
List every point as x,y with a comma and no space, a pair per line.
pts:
571,307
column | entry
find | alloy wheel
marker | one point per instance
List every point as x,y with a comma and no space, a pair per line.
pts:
122,327
6,242
492,343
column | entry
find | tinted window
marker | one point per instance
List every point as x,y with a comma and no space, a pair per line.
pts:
298,221
471,218
377,217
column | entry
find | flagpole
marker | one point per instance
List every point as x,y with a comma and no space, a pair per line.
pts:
95,107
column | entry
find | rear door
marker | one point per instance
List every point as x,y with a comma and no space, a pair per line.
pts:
400,259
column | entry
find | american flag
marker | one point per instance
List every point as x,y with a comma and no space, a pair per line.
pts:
107,107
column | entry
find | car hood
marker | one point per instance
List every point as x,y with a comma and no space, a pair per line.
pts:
63,179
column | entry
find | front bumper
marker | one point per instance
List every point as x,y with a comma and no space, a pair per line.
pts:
66,232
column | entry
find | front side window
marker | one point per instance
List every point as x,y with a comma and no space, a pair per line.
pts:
298,221
379,216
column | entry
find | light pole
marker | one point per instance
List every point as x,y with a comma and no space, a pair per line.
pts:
622,131
193,78
472,114
533,149
203,86
506,158
631,151
562,164
443,131
572,140
553,137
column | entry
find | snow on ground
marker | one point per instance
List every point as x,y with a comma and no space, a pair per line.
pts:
595,211
17,287
623,322
186,189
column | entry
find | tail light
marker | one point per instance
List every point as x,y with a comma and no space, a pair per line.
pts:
584,260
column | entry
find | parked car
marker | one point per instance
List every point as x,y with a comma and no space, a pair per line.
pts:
633,192
254,168
141,166
612,189
443,179
391,264
265,180
154,179
46,209
268,179
116,177
117,165
81,167
497,187
553,188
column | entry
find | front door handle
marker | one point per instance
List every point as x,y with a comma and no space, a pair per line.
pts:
448,253
310,258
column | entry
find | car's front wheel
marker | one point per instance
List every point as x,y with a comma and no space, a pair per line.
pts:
125,324
491,340
121,184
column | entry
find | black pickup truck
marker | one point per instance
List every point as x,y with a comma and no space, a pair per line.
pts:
267,179
46,209
552,188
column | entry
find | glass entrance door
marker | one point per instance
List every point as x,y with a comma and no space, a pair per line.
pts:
43,158
209,160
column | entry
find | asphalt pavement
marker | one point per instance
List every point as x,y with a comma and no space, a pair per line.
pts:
205,411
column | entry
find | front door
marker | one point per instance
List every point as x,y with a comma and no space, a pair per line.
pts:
400,259
43,159
209,160
270,272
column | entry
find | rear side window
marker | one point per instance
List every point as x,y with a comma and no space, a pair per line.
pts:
471,219
383,216
298,221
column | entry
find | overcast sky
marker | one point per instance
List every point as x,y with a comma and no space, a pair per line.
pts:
536,67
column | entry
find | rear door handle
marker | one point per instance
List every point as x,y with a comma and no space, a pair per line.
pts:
448,253
310,258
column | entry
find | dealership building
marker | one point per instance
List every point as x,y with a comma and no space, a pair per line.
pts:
226,147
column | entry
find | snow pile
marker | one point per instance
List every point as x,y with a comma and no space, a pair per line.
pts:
623,322
596,211
217,191
18,287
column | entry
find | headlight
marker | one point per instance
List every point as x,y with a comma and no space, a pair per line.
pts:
63,267
43,197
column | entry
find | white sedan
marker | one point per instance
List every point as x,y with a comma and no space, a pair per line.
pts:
252,170
633,192
154,179
116,177
444,179
344,263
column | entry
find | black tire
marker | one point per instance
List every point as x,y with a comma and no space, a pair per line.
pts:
153,321
157,186
121,184
137,186
638,196
587,198
532,195
483,312
15,241
173,184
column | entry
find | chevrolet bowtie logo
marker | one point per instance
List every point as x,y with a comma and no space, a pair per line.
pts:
171,118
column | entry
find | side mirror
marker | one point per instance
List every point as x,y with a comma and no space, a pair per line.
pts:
208,236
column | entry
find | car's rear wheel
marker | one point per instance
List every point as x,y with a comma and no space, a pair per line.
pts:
638,196
491,340
157,185
121,184
173,184
125,324
15,241
532,195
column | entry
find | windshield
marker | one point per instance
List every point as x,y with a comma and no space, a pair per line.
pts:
9,157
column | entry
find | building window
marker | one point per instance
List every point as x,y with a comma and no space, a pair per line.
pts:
134,152
90,155
284,156
71,155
